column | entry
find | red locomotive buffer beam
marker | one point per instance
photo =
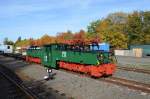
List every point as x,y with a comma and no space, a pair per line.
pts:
95,71
33,59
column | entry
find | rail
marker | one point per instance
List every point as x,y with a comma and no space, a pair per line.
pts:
134,69
27,93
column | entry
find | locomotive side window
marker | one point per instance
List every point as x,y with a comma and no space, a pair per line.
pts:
61,47
8,47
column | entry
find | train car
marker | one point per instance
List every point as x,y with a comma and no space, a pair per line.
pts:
77,58
6,49
81,59
34,54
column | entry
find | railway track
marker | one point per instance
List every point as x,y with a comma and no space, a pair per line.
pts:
128,83
43,92
120,82
37,88
13,84
134,69
9,90
29,89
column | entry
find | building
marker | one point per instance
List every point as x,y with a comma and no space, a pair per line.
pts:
145,49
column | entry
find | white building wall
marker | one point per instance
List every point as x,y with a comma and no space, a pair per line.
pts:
132,53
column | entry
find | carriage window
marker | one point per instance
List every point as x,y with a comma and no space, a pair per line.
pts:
56,47
8,47
61,47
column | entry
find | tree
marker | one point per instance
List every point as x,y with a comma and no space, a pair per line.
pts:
112,34
79,37
138,27
92,32
46,39
19,38
24,43
64,37
146,27
134,27
7,41
110,30
118,18
119,29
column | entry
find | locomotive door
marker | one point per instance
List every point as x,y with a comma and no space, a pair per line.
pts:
47,56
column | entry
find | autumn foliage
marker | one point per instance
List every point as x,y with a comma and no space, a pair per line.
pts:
64,37
118,29
46,39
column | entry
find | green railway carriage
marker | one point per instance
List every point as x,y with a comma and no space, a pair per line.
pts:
62,52
34,54
35,51
74,58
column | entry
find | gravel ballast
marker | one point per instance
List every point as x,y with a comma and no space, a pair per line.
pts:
135,62
77,87
139,77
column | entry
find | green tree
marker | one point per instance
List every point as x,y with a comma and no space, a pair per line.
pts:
23,43
108,31
146,27
92,32
7,41
118,18
112,33
134,28
138,27
64,37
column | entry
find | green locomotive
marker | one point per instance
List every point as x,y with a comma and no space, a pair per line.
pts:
74,58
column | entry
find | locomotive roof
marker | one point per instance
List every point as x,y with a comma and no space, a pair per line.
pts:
34,47
62,44
47,45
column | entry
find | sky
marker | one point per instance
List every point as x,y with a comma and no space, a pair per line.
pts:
34,18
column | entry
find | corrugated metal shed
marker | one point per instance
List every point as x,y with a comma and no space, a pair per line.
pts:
146,49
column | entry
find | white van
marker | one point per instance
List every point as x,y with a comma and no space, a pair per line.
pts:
6,49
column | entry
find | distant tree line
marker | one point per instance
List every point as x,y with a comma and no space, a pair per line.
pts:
122,29
7,41
119,29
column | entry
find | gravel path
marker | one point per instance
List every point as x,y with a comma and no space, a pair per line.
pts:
140,77
133,62
143,63
79,87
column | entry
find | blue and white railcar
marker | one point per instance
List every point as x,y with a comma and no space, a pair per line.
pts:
6,49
